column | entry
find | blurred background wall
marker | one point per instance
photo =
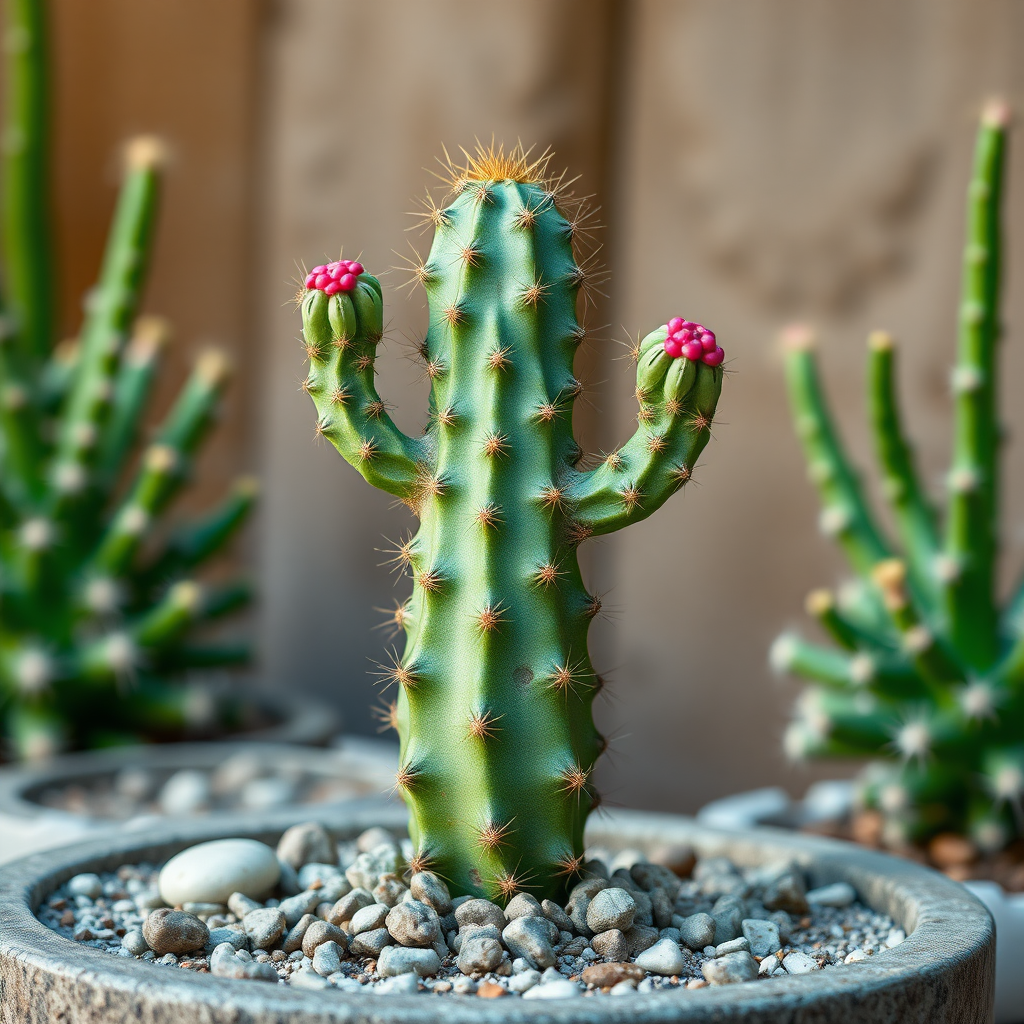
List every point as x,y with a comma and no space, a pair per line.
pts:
754,163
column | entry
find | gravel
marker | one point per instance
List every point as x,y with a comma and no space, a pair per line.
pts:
358,922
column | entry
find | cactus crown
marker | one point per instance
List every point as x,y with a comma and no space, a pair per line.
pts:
96,595
926,675
495,686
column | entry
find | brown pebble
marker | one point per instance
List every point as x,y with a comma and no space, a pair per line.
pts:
696,983
67,919
607,975
866,828
948,850
490,990
58,904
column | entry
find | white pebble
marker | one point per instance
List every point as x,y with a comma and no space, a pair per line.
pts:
799,963
664,958
561,989
838,894
211,872
185,792
895,937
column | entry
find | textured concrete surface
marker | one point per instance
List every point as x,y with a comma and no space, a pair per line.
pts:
941,974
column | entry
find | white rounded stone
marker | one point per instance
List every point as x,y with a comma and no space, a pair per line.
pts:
211,872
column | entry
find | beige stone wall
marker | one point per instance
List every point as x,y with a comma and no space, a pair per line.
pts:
756,162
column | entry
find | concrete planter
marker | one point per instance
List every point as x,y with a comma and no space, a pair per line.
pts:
941,973
354,768
831,800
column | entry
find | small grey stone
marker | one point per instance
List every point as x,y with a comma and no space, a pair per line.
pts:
838,894
185,792
662,908
530,938
224,963
763,936
317,874
728,913
611,944
288,878
293,940
370,943
738,945
575,946
712,866
641,937
798,962
655,876
86,884
367,919
174,931
770,965
372,838
428,888
345,908
295,906
332,889
523,905
464,933
611,908
664,958
134,942
399,985
366,869
784,923
561,989
235,937
556,915
306,843
327,958
264,927
479,954
623,988
697,931
395,960
787,892
203,910
239,904
731,969
479,911
524,981
260,971
390,890
308,978
320,932
413,924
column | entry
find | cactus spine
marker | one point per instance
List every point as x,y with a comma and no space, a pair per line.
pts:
927,672
96,596
494,689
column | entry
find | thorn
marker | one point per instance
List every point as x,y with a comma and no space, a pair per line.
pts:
396,618
498,359
430,580
645,414
568,678
656,443
446,417
313,351
507,883
614,461
547,574
700,422
578,533
471,254
454,314
374,410
421,860
340,396
492,835
630,497
534,293
387,716
495,445
574,780
552,497
547,412
593,607
481,725
491,617
405,777
680,474
396,672
489,515
673,406
569,865
367,449
364,362
401,554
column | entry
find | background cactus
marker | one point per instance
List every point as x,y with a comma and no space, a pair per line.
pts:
494,689
96,597
927,671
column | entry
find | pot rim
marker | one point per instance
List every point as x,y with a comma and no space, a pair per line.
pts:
942,971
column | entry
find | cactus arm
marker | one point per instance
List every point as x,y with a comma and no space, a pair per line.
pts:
845,514
971,541
28,259
678,397
131,391
111,310
915,520
164,466
341,333
22,452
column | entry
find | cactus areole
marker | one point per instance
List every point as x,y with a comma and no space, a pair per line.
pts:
495,687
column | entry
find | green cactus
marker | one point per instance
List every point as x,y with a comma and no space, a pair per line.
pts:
494,690
96,595
927,672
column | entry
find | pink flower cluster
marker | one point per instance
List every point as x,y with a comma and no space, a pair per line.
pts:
339,276
692,341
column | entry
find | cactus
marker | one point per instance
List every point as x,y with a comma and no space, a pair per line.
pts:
926,675
96,596
495,687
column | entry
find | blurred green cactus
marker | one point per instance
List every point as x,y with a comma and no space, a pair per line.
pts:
494,690
97,597
927,673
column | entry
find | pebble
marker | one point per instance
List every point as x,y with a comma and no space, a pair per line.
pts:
413,924
318,875
368,919
763,936
737,945
895,937
240,904
611,908
797,962
185,792
345,908
730,969
664,958
401,985
728,913
327,958
265,794
295,907
293,940
236,937
211,872
838,894
556,915
523,905
264,927
787,892
308,978
174,931
426,887
478,911
370,943
561,989
87,885
395,960
524,981
134,942
612,944
479,954
322,931
305,843
530,938
697,930
608,975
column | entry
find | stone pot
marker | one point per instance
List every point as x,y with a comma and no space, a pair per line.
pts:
354,768
832,800
941,973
